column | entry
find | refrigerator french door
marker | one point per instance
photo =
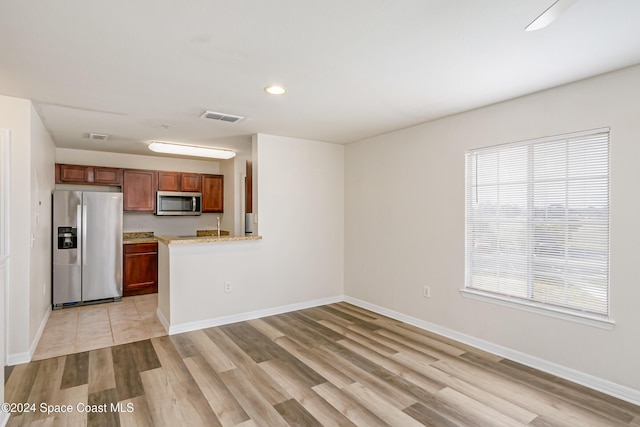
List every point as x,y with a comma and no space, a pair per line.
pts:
87,247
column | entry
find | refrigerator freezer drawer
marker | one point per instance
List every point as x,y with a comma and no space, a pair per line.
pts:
67,284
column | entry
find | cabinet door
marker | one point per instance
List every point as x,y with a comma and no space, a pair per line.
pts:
212,193
139,189
140,269
107,176
190,182
73,174
168,181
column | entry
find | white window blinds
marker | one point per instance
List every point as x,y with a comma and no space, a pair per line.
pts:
537,222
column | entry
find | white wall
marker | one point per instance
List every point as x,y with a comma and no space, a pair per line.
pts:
14,115
5,168
300,258
28,293
145,221
404,221
42,184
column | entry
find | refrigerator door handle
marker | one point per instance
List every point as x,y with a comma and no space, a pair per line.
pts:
84,235
79,231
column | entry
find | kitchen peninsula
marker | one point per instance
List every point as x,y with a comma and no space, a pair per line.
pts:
200,278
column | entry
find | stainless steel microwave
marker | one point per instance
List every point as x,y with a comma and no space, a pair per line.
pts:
177,203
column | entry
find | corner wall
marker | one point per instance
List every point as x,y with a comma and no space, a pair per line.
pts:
29,287
299,261
300,208
42,183
14,115
405,225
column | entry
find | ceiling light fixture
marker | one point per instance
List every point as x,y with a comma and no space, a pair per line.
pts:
190,150
549,15
275,90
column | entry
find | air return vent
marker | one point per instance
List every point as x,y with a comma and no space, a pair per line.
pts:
221,116
98,136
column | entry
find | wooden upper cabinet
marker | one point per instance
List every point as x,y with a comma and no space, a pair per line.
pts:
190,182
139,190
212,193
168,181
179,181
81,174
107,176
73,174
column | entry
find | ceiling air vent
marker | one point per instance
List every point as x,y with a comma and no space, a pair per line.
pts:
98,136
221,116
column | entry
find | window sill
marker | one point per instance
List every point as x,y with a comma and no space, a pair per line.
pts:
557,313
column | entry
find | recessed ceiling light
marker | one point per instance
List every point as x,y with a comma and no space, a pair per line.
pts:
275,90
190,150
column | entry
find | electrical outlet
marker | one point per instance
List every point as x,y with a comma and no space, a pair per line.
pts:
426,292
227,287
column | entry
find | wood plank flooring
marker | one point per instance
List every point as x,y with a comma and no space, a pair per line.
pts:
334,365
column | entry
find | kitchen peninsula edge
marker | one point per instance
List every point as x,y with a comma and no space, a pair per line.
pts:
203,278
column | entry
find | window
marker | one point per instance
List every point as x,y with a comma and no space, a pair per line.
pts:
537,223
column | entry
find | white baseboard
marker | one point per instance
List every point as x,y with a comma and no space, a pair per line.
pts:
240,317
608,387
162,319
36,340
18,358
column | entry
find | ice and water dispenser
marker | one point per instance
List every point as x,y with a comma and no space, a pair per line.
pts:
67,238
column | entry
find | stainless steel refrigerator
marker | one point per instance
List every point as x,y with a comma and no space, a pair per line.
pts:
87,247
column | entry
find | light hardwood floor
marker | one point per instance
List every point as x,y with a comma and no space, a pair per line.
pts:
330,365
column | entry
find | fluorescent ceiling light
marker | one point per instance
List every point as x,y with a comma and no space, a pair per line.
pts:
190,150
549,15
275,90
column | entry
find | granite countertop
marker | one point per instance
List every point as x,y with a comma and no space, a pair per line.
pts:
170,240
200,237
202,233
138,237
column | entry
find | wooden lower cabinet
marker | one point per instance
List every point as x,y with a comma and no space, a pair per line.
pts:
140,268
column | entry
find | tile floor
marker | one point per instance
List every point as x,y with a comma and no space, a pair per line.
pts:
78,329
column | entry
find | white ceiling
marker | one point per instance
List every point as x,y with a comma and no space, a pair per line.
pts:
353,68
